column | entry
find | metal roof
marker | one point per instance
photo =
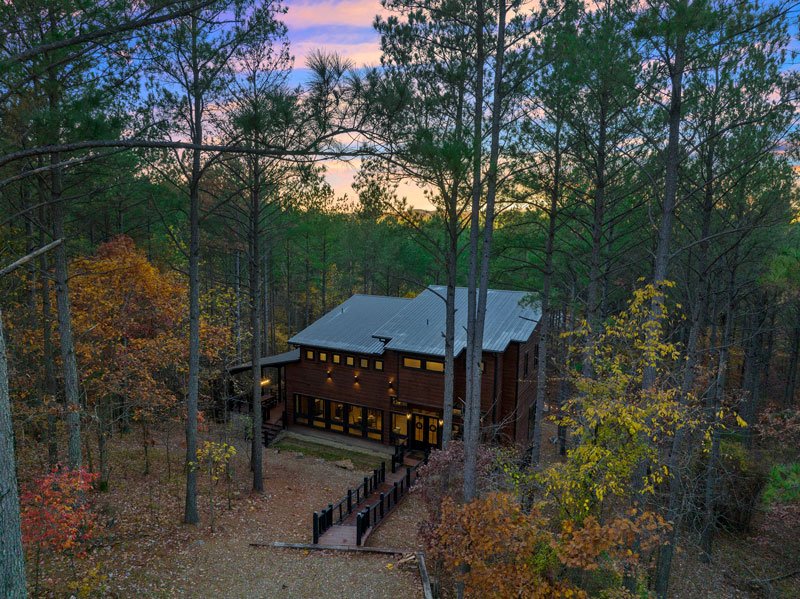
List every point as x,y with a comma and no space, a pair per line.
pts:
351,325
419,326
274,360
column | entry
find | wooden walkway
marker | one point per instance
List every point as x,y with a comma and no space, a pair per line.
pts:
345,534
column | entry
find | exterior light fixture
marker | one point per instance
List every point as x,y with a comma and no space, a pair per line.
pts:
391,384
329,373
408,416
355,378
265,382
441,422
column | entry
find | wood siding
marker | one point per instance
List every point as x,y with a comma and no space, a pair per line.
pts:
506,395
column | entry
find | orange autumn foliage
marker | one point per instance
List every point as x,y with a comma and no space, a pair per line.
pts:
513,553
128,318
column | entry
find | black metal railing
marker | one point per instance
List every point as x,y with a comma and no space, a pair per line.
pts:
372,515
337,512
369,516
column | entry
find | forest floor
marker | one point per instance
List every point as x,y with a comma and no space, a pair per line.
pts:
147,552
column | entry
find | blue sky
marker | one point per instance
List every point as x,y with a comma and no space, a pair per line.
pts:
344,27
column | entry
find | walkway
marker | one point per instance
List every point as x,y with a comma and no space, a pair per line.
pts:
394,488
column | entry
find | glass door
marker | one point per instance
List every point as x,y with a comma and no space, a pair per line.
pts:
425,432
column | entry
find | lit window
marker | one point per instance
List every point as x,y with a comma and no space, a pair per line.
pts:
350,360
412,363
323,357
378,364
309,355
363,362
434,366
336,358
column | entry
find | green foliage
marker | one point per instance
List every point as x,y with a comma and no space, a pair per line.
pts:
783,484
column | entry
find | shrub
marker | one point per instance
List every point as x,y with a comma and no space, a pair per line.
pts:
783,484
739,487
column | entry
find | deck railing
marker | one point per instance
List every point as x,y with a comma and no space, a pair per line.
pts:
370,516
337,512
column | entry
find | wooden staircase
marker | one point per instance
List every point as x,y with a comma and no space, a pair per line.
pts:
271,430
272,422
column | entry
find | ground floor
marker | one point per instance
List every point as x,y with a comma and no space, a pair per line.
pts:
400,423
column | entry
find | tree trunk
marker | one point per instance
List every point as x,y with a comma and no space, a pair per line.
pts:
449,339
791,376
451,266
12,557
68,361
255,325
50,383
238,288
191,515
472,410
544,327
478,318
103,426
713,404
661,263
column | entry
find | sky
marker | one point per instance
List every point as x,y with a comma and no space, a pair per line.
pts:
344,27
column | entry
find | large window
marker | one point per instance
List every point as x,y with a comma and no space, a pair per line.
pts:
301,409
375,424
399,427
309,354
318,414
378,364
339,417
323,357
350,360
363,362
355,421
337,359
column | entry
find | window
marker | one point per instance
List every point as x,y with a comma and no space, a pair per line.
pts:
337,416
319,413
355,421
399,426
350,360
336,359
378,364
301,409
309,354
434,366
323,357
375,424
412,363
363,362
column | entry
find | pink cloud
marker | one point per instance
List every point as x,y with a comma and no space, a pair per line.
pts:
361,53
328,13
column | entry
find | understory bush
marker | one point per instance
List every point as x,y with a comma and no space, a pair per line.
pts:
783,484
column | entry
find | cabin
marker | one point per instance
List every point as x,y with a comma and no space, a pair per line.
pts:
373,368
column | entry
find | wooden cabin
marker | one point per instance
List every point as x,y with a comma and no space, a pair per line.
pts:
373,367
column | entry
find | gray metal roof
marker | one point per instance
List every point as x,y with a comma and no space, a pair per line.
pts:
419,326
274,360
351,325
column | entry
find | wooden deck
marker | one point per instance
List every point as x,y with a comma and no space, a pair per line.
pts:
344,534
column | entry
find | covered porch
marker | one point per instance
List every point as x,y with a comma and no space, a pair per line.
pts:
238,390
